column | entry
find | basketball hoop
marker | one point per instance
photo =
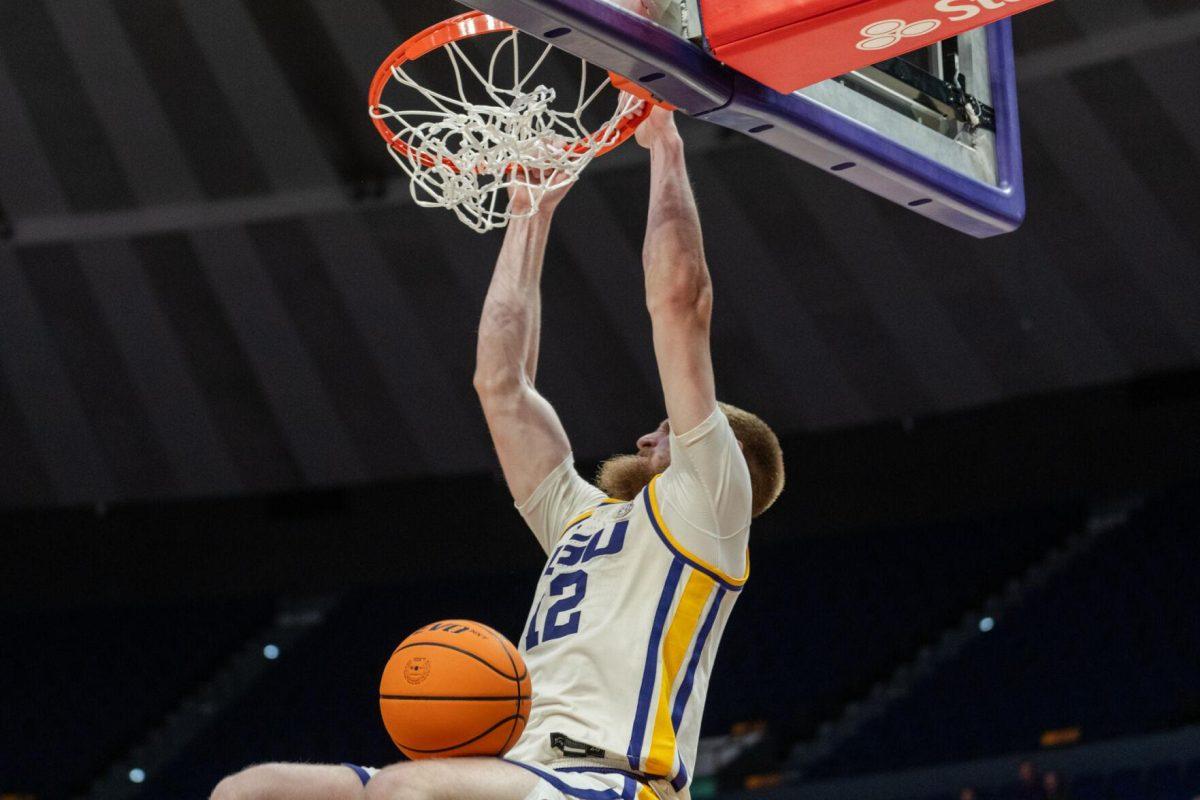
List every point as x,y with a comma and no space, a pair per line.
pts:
495,130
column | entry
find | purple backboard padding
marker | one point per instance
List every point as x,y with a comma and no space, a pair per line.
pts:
688,77
633,47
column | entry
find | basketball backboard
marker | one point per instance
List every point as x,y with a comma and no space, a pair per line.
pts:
935,129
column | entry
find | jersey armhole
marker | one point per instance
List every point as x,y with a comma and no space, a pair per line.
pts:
650,499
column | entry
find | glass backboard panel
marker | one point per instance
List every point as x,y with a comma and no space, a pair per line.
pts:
935,130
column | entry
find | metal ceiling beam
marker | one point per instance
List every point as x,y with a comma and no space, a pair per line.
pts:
198,215
201,215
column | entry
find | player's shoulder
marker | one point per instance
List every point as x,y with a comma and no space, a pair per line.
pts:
721,557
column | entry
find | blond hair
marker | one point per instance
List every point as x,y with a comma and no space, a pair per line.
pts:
763,455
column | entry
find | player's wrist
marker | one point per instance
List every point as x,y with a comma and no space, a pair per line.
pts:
526,215
546,209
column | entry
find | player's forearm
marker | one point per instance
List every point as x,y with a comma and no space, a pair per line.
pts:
673,254
509,330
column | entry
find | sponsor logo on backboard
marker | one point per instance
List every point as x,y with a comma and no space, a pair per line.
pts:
890,32
962,10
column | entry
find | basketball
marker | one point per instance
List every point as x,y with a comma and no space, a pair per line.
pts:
455,688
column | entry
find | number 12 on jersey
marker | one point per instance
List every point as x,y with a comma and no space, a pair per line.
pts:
562,617
567,589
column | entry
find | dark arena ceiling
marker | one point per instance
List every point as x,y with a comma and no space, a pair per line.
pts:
213,283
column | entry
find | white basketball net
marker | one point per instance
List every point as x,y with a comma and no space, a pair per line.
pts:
463,155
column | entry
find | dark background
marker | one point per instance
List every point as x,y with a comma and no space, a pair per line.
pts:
235,375
202,297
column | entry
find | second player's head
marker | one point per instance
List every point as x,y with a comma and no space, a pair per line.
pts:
624,476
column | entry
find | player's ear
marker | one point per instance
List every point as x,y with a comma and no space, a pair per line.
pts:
741,446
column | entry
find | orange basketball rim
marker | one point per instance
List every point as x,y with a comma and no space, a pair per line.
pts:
467,26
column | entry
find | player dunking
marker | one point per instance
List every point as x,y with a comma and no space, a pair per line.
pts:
642,572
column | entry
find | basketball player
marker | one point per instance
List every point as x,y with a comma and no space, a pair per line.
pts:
642,571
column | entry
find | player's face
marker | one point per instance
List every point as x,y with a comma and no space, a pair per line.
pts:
624,476
656,447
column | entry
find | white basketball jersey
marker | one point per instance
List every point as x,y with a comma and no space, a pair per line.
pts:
630,607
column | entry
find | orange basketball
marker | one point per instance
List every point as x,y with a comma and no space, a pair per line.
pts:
455,688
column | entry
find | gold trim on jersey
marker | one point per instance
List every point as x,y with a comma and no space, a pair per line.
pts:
576,520
681,550
688,613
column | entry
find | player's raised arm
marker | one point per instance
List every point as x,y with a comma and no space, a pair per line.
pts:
678,287
529,439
